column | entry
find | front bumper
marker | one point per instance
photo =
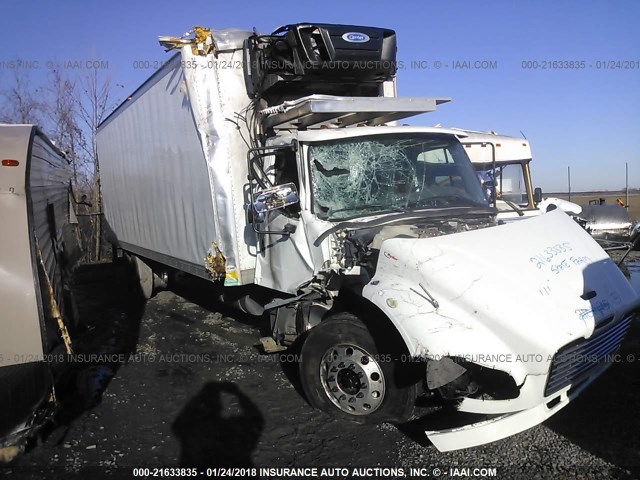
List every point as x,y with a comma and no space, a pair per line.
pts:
503,426
540,395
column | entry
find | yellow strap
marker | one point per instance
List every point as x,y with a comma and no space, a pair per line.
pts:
54,310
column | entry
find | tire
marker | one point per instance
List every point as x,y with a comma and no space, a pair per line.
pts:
344,373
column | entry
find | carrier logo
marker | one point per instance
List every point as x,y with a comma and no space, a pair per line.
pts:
355,37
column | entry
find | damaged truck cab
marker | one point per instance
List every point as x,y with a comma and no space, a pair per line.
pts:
390,235
381,254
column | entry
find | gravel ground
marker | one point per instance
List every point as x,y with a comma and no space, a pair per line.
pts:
198,392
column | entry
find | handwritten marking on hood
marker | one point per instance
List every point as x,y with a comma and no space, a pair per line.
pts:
390,256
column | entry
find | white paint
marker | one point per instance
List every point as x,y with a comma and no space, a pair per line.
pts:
509,297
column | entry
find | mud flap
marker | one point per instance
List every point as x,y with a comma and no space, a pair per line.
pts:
145,277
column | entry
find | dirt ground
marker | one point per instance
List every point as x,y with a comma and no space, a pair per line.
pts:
195,390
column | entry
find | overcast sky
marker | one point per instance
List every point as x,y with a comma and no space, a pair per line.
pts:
584,115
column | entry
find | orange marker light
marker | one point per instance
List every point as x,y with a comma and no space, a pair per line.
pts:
10,163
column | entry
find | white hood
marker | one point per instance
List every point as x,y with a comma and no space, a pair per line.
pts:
525,288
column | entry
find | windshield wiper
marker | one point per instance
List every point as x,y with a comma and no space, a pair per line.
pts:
513,206
430,201
444,212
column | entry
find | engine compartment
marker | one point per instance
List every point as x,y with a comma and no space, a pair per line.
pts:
361,247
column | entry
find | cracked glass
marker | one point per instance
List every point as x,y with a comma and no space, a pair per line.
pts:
383,173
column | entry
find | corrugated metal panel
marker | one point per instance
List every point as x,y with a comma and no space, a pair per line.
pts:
30,194
49,194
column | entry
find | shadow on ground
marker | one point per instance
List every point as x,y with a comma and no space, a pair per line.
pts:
108,310
210,297
219,427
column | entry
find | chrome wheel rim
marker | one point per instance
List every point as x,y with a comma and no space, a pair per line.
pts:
352,379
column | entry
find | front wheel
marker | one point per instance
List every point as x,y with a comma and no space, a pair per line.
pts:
343,372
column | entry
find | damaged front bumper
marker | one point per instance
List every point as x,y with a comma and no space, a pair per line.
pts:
541,396
495,428
525,299
502,426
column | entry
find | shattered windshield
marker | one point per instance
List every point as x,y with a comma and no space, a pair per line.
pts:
386,173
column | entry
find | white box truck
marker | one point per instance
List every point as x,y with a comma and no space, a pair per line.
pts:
504,166
37,252
267,163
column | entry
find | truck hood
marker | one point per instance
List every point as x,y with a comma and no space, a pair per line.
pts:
500,294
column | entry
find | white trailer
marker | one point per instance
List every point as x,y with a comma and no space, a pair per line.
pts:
268,161
35,215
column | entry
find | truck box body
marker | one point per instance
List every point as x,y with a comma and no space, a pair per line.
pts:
174,167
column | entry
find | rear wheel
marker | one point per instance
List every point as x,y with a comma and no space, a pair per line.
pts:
343,372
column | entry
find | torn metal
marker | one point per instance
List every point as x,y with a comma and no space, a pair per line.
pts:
202,42
215,263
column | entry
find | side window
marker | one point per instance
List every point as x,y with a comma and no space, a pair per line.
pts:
286,170
511,184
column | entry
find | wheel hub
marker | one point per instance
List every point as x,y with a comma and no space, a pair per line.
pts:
352,379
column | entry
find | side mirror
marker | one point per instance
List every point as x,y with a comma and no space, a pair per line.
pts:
274,198
537,195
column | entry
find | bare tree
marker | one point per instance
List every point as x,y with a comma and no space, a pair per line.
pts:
69,111
63,122
94,103
22,104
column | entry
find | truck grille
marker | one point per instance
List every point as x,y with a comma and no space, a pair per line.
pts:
576,360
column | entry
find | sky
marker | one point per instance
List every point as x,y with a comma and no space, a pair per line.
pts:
582,112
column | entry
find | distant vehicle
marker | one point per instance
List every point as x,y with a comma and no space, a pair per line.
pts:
268,162
509,159
607,221
34,255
